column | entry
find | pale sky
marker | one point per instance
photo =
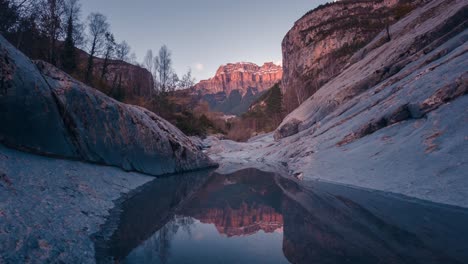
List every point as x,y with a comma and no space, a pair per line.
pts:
203,34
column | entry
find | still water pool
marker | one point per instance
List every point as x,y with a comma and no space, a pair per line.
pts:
252,216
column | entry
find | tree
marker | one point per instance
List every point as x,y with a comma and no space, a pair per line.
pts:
122,50
9,16
68,54
19,24
132,59
148,61
163,68
173,82
73,11
109,53
98,27
73,36
187,80
50,22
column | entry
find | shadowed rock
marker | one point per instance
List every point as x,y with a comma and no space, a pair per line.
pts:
45,111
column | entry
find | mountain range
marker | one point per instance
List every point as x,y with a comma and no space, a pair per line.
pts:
236,86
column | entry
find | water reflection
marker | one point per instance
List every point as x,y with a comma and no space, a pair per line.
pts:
256,217
238,204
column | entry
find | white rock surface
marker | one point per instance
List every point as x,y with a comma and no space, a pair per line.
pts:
396,120
49,207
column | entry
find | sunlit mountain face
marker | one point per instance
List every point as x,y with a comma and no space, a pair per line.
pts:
252,216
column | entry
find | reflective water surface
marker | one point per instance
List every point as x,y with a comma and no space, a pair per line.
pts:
256,217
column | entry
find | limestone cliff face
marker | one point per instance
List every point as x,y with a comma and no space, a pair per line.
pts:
236,85
320,44
241,76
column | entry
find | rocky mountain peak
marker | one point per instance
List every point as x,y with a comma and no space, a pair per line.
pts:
241,76
236,85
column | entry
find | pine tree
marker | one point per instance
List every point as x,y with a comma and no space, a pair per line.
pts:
69,53
274,101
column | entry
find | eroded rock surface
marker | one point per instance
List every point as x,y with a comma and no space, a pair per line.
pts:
50,207
395,120
45,111
321,43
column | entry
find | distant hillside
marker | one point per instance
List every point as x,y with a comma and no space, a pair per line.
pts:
122,80
263,116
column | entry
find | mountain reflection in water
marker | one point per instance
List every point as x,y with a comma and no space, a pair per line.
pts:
252,216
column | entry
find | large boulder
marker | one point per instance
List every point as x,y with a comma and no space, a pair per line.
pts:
29,117
45,111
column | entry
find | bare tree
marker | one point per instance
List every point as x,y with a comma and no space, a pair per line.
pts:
187,80
163,68
148,61
98,27
132,59
109,53
122,50
51,13
173,82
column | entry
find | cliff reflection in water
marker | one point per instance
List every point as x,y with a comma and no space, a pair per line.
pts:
256,217
238,204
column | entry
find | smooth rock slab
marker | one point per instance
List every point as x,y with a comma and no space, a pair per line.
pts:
45,111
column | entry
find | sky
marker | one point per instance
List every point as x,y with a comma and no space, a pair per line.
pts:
203,34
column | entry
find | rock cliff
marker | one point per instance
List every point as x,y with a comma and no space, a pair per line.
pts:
395,119
45,111
236,85
122,79
125,80
321,43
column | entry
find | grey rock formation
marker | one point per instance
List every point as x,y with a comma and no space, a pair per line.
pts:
45,111
288,129
320,44
394,120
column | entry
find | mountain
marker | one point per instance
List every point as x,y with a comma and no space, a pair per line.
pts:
45,111
319,45
237,85
394,118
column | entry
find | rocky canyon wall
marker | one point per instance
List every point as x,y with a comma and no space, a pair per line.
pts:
320,44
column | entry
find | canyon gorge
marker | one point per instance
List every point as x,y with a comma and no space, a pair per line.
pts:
364,158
